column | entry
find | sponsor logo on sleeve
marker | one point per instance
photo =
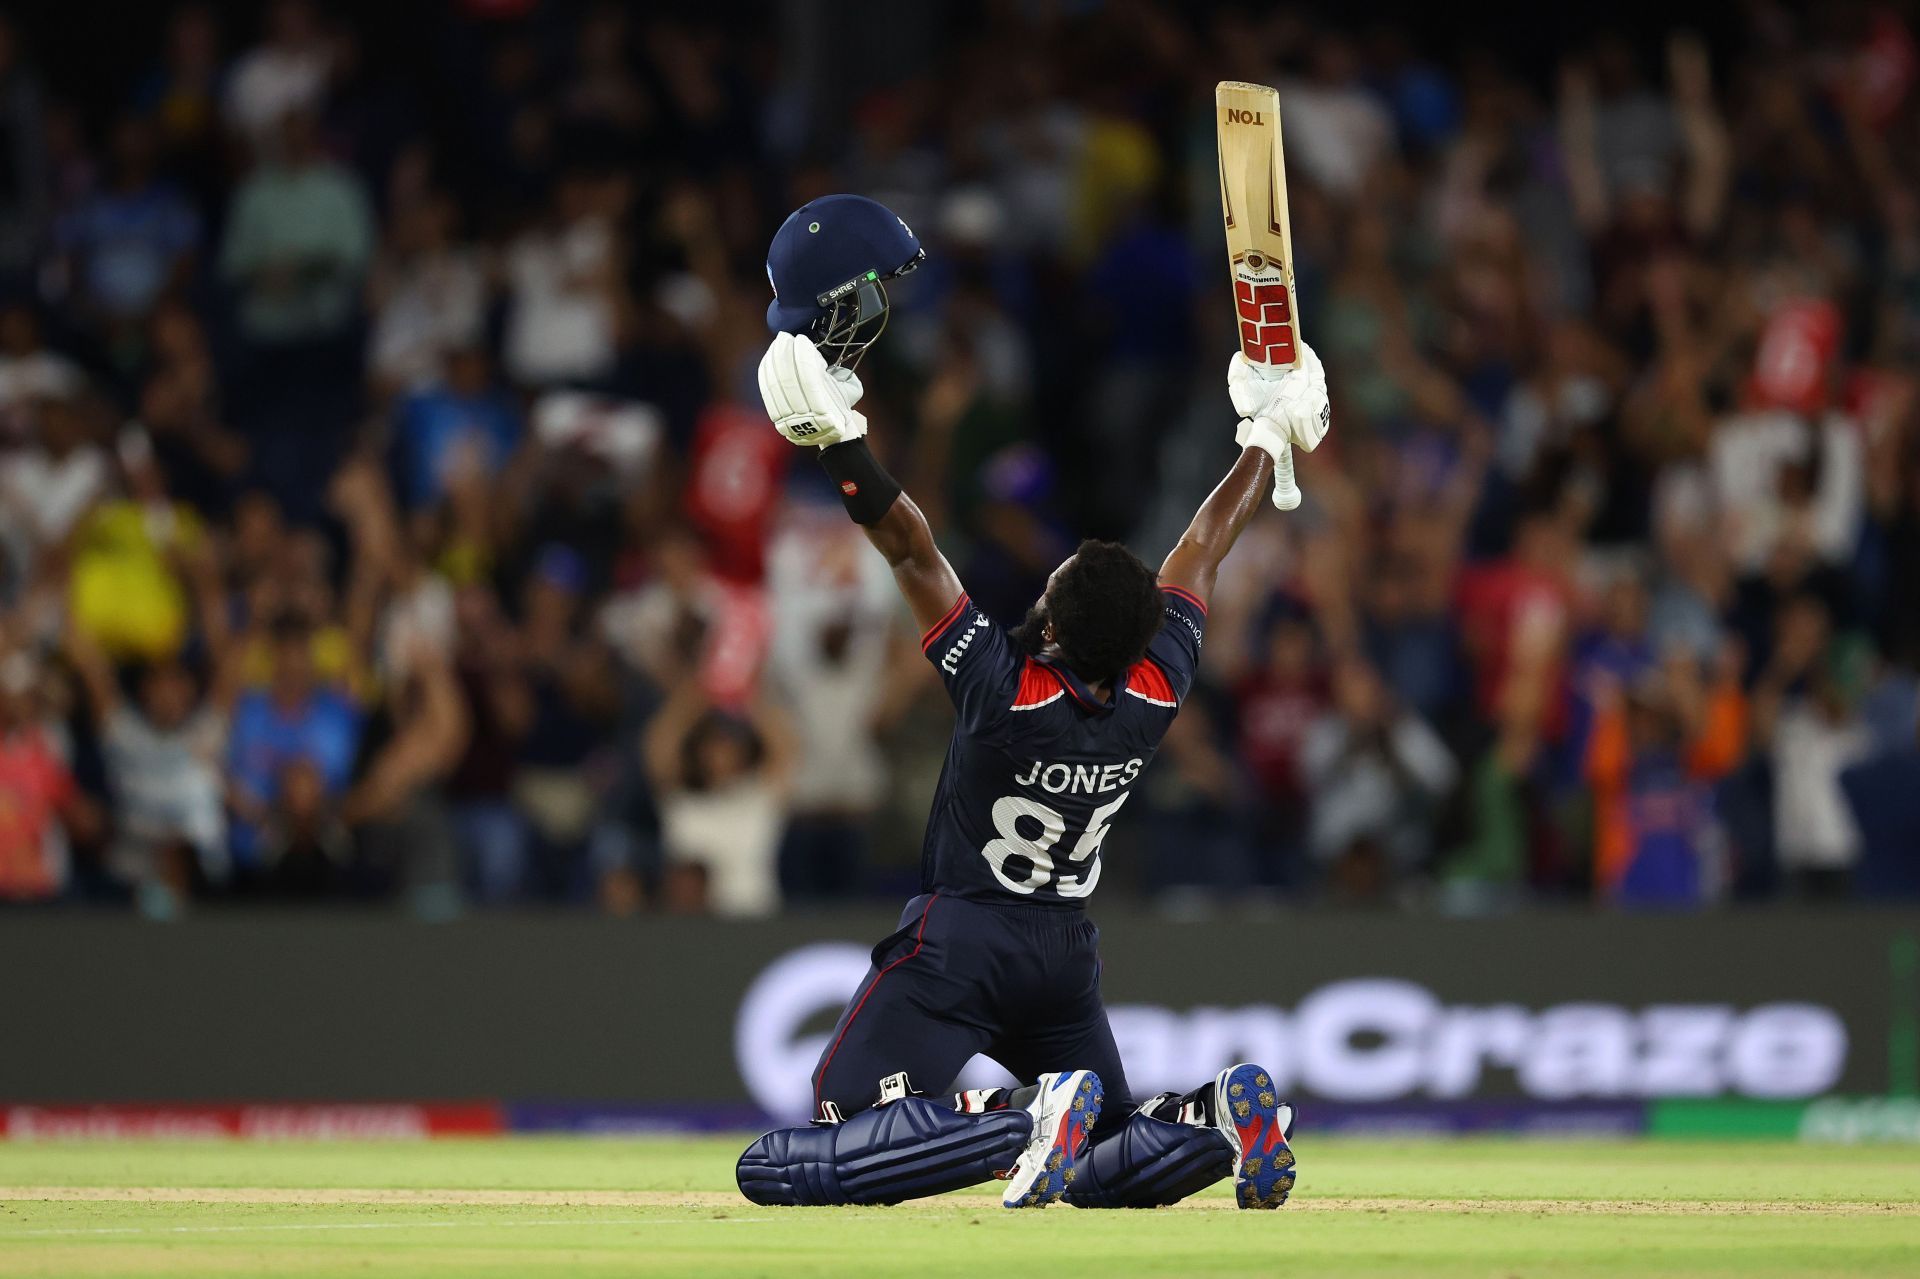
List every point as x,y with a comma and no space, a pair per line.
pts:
950,660
1187,622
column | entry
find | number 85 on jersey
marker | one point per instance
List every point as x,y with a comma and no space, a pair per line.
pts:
1022,857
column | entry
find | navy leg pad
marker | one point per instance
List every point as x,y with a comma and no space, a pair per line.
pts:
902,1150
1149,1163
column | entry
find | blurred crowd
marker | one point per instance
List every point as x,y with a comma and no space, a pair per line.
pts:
387,511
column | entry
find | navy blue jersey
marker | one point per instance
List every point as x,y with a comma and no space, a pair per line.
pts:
1039,765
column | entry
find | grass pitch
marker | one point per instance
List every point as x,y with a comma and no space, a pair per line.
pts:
532,1207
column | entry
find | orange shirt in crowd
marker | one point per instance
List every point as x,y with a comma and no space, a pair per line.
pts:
1715,751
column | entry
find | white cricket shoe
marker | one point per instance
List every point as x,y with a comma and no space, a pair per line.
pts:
1063,1115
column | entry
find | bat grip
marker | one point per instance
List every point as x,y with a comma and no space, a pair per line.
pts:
1286,491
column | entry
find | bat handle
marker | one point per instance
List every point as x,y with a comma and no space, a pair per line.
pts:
1286,492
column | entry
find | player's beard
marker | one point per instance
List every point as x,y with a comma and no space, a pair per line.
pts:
1031,634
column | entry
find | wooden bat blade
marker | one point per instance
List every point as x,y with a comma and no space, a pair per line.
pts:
1253,202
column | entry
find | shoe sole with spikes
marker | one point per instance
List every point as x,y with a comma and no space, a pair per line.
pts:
1259,1127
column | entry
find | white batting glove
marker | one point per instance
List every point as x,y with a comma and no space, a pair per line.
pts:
809,403
1290,401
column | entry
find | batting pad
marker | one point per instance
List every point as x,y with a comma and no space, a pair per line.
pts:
1149,1163
902,1150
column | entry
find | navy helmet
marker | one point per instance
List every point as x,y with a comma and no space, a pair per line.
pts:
829,263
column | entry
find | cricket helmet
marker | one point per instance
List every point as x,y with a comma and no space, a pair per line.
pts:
829,263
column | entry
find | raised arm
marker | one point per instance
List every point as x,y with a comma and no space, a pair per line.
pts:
812,405
904,538
1280,411
1195,559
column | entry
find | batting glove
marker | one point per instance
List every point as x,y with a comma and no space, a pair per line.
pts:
1287,403
809,403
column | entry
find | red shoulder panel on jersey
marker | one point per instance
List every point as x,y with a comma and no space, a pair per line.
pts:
1149,683
926,641
1188,596
1038,686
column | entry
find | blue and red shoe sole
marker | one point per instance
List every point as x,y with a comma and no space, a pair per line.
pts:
1247,1098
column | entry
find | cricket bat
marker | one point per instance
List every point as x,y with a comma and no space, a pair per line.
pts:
1253,199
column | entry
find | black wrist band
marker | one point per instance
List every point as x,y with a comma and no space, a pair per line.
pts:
866,490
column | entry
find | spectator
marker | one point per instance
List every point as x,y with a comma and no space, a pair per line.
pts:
1278,702
835,647
397,806
1613,652
47,487
298,239
723,782
304,849
129,594
133,242
459,428
1376,774
569,683
291,753
1806,711
163,756
658,625
41,809
491,832
567,300
254,553
1338,125
285,74
1775,474
296,585
1659,742
732,492
202,459
1409,636
30,373
428,295
1491,866
1515,613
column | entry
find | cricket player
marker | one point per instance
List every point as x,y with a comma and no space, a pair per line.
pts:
1056,720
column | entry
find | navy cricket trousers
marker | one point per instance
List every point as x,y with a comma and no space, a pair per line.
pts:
1018,983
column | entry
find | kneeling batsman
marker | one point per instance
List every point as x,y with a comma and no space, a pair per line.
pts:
1049,1140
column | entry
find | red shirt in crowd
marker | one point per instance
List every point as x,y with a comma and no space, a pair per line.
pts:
1275,712
1494,602
733,489
34,786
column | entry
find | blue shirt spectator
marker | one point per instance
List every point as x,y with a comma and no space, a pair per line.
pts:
463,423
127,245
291,722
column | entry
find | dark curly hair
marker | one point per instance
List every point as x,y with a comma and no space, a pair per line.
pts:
1105,608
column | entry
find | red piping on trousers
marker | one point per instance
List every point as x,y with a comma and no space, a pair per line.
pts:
919,939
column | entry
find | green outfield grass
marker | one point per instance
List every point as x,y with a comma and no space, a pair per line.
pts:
525,1207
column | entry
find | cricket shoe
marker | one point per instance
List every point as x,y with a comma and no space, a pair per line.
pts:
1258,1125
1063,1115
